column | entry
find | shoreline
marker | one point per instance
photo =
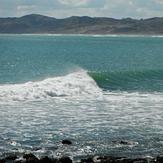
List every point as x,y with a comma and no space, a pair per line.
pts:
82,35
31,158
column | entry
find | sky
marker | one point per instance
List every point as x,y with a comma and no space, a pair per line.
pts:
94,8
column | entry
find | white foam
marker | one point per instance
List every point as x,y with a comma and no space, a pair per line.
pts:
74,84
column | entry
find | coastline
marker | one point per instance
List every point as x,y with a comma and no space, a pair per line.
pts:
82,35
31,158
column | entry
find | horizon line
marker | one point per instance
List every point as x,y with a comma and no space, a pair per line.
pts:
36,14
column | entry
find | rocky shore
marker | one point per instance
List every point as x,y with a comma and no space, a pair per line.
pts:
31,158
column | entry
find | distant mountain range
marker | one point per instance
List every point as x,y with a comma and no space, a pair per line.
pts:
36,24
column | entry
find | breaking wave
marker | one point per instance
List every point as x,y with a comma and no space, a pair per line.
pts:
74,84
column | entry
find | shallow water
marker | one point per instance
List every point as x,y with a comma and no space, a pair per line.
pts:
92,124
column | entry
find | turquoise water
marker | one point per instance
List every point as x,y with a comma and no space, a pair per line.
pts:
125,63
93,90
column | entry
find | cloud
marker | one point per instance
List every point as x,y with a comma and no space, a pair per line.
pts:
94,8
76,3
26,7
133,8
159,1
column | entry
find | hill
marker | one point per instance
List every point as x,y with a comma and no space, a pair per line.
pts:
35,23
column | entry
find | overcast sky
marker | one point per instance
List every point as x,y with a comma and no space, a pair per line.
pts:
94,8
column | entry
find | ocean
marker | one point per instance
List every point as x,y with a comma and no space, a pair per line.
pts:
96,91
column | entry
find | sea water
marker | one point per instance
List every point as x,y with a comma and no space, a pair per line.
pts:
94,90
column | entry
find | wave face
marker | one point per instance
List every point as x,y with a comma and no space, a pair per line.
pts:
146,81
74,84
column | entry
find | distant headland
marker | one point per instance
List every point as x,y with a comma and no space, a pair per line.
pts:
39,24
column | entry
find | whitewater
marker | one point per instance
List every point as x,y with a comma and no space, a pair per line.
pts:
75,84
